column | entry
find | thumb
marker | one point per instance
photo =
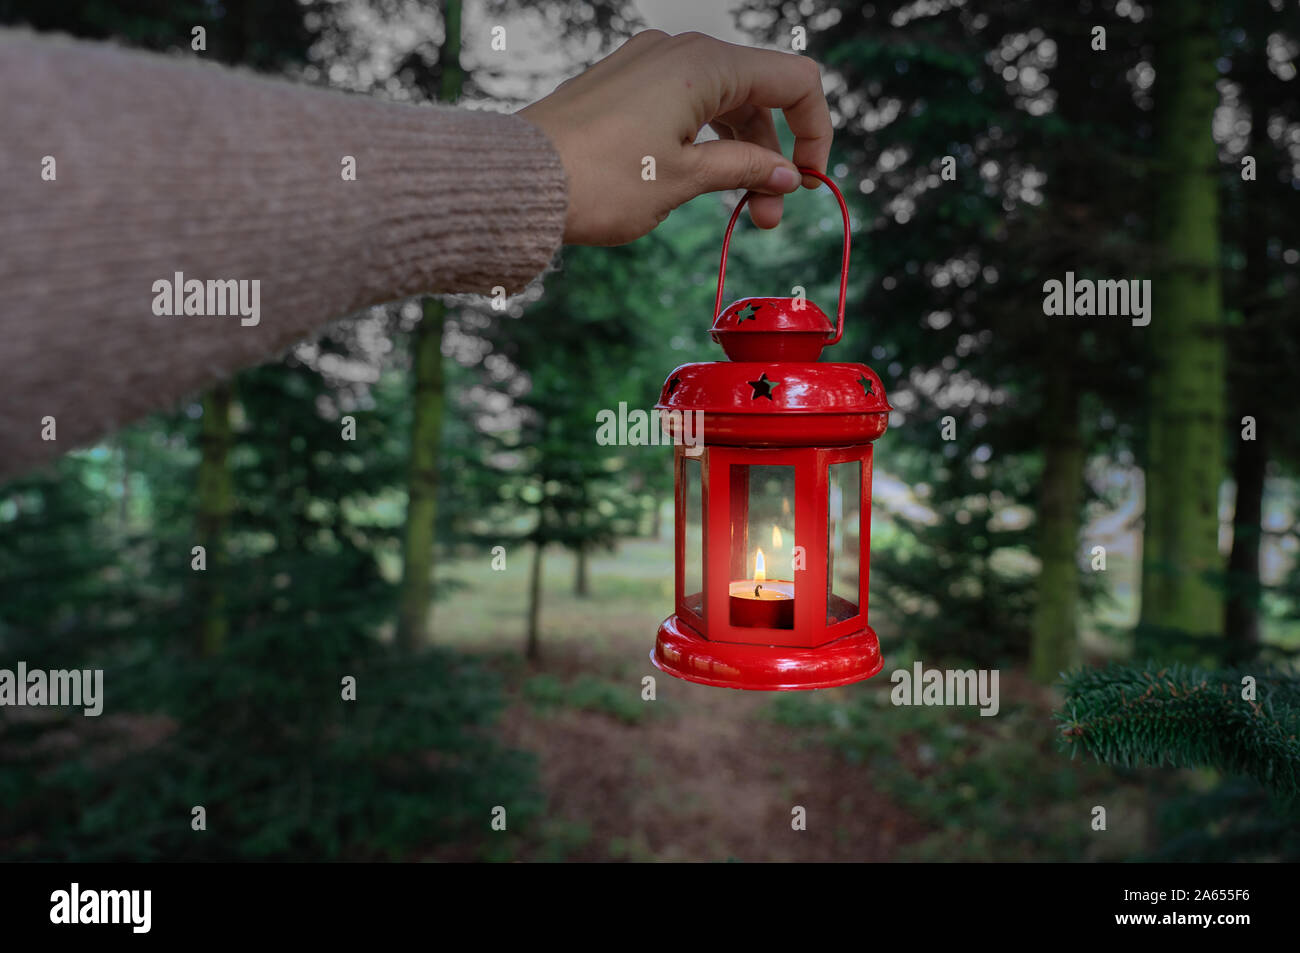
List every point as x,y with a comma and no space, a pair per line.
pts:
734,164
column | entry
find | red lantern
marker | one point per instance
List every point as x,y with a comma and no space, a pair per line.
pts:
773,504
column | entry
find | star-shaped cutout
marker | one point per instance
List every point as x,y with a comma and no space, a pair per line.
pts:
867,384
762,387
672,385
742,316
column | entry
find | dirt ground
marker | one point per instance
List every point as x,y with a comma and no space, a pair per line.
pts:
708,778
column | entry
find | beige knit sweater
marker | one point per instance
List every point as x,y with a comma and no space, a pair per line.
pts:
163,166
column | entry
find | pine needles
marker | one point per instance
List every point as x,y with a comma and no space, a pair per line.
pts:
1238,721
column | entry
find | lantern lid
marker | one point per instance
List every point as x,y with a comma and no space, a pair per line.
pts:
774,387
779,403
772,329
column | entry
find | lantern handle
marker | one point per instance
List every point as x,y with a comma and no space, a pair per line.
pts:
844,262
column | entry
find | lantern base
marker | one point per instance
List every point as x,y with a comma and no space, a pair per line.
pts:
681,652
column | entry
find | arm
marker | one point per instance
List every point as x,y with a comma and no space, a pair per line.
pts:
167,168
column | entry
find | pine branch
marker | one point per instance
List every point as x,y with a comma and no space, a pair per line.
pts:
1181,716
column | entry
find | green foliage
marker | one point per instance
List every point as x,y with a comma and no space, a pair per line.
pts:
1234,821
587,693
1187,717
262,739
990,787
259,735
948,577
50,519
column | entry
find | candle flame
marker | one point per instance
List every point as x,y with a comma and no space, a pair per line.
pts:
777,541
760,570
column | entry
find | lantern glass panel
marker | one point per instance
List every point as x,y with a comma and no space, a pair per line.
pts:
762,499
693,536
843,525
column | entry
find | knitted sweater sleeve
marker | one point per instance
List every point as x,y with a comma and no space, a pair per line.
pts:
123,175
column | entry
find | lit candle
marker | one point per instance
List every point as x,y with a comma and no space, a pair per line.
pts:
758,603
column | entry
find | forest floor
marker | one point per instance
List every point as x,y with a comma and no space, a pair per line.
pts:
707,774
707,777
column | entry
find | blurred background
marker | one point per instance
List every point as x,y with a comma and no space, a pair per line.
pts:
1100,500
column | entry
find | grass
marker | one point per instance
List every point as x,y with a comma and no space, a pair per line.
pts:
631,593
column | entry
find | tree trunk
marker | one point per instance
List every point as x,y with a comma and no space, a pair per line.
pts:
581,585
1186,405
1250,461
657,517
416,597
1055,634
415,601
533,646
214,507
1241,615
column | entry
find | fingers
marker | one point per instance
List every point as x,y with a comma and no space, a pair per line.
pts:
733,164
755,124
785,81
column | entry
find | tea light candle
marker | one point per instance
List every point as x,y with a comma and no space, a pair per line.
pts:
758,603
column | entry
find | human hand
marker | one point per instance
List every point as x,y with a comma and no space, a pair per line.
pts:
651,97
